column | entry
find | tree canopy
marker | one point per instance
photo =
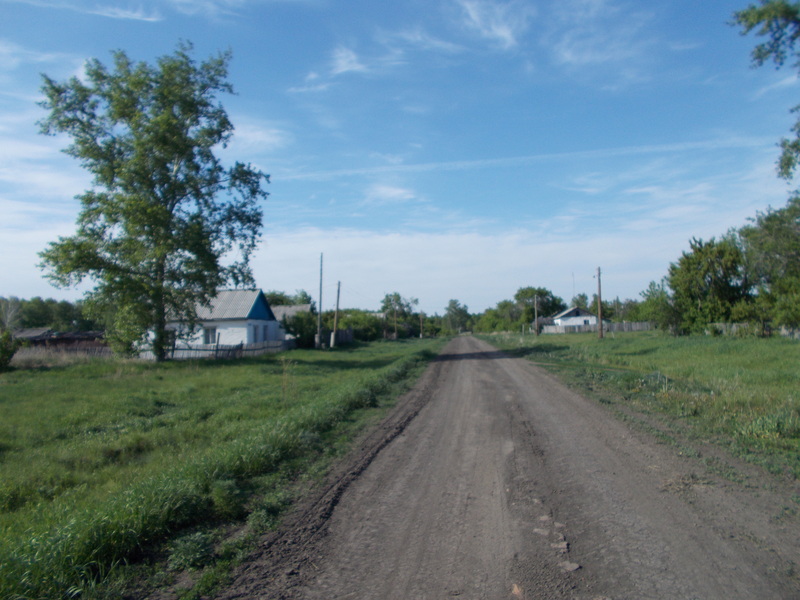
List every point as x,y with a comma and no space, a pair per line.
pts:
708,281
779,22
156,231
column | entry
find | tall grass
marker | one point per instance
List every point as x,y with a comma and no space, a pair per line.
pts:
101,461
744,392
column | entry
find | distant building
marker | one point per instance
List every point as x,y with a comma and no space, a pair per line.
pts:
574,316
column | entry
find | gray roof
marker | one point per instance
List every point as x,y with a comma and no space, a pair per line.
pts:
229,304
288,311
32,333
573,311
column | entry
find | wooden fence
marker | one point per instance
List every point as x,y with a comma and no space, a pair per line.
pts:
607,327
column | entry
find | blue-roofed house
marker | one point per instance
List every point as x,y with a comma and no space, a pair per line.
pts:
236,317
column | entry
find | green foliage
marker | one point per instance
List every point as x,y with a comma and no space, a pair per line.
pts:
581,301
8,347
100,462
707,282
548,303
366,326
59,315
657,307
519,313
779,22
400,317
163,211
303,326
456,317
772,247
191,551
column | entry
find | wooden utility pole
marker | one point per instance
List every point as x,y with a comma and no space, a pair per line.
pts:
536,314
319,309
599,307
336,315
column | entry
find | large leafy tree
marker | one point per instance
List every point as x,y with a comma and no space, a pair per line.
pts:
772,247
456,317
779,22
399,310
708,282
547,302
156,231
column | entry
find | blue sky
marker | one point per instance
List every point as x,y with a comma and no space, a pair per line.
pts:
439,148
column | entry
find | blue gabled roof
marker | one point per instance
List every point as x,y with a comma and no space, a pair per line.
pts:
237,304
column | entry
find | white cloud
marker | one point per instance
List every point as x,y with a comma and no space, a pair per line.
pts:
723,142
501,22
345,60
111,11
13,55
116,12
478,269
782,84
382,194
254,137
419,39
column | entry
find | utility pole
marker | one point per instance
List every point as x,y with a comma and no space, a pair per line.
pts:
599,307
336,314
319,310
421,317
536,314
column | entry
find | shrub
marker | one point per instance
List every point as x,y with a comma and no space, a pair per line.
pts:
8,347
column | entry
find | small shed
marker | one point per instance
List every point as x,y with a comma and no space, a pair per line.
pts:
236,317
574,316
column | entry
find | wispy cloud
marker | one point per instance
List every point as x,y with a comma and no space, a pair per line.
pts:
419,39
111,11
382,194
345,60
253,136
13,55
712,144
312,83
786,82
592,32
116,12
500,22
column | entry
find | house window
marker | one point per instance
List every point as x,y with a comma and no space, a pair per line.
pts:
265,334
586,321
209,335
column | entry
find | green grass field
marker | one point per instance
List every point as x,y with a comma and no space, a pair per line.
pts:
102,462
741,392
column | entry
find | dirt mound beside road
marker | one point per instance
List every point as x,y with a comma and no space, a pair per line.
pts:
492,480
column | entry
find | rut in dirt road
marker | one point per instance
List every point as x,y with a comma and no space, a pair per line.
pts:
501,483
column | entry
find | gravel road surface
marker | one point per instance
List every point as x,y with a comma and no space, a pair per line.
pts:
492,480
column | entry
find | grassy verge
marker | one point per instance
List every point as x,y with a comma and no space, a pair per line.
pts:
104,463
739,392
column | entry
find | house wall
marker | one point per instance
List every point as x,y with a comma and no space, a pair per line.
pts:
233,332
571,321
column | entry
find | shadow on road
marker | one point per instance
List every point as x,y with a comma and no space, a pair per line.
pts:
498,354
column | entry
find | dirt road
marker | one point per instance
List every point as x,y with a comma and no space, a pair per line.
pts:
492,480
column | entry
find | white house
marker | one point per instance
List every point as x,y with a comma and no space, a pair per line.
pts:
574,316
236,317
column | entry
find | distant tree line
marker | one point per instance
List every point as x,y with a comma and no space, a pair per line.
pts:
58,315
